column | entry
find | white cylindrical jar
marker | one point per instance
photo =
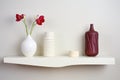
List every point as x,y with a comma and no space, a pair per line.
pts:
49,44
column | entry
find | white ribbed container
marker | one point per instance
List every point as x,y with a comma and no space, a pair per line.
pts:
49,44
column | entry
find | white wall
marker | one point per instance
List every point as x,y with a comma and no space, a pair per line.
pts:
69,19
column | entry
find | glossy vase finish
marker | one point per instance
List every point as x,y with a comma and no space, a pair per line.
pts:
91,42
28,47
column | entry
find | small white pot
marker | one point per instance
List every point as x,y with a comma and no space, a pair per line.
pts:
28,47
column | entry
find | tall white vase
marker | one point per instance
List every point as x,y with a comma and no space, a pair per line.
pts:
28,47
49,44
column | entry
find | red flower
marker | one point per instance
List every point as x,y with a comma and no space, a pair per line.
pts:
19,17
40,20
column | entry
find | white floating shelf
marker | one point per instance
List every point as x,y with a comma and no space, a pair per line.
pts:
59,61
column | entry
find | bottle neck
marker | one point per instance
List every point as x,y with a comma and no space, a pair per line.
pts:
91,27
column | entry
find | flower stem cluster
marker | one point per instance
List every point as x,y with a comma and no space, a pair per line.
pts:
39,20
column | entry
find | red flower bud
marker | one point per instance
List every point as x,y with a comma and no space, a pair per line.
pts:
19,17
40,20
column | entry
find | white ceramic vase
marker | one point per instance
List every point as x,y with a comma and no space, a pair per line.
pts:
28,47
49,44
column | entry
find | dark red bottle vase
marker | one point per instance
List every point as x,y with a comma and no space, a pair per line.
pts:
91,42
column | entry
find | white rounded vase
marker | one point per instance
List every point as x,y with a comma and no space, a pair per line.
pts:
28,47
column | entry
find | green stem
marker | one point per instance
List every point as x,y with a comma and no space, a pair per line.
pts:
33,25
25,26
